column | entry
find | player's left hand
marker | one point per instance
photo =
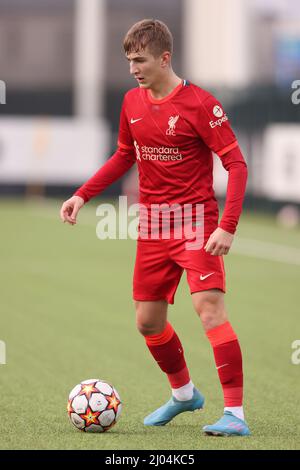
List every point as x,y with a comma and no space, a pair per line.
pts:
219,242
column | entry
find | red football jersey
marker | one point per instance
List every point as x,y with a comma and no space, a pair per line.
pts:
172,141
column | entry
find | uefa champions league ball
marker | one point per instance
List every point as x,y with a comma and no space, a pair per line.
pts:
94,406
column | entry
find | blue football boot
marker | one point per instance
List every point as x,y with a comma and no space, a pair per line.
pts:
172,408
228,425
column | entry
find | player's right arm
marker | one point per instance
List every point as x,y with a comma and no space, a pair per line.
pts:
121,161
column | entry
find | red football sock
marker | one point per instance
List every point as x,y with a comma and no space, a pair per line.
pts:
167,350
228,358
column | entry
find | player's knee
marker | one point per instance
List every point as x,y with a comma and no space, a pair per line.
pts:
150,318
210,308
207,302
145,325
148,329
211,320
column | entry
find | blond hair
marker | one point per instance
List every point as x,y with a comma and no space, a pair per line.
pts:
151,34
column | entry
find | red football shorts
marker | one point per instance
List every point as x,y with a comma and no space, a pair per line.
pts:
160,264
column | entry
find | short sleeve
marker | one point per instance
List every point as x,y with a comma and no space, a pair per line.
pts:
125,140
213,126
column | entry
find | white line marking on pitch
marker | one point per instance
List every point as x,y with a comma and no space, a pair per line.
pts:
266,250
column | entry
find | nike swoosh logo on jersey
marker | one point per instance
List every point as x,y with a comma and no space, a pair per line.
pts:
204,277
132,121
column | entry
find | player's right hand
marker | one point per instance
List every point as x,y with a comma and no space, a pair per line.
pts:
70,209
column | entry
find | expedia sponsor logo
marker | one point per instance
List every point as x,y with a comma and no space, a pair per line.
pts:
162,154
219,113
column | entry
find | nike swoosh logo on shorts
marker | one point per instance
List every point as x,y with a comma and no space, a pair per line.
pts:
132,121
204,277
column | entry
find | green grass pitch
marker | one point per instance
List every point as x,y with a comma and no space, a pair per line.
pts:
67,315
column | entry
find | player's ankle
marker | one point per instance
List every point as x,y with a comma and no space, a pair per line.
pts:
236,411
184,393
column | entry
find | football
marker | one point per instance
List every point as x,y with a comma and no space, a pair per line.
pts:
94,406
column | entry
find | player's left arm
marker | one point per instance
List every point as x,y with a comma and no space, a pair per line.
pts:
220,241
214,128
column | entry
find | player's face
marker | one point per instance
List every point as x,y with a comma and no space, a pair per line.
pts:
147,69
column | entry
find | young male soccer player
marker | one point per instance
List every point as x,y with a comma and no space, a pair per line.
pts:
170,127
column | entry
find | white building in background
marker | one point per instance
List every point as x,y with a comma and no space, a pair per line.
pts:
235,43
75,47
217,42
